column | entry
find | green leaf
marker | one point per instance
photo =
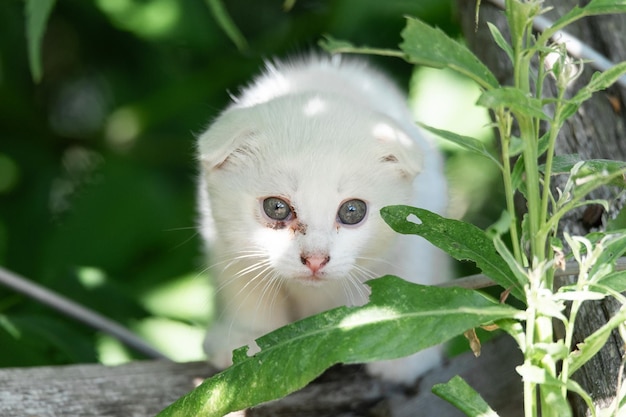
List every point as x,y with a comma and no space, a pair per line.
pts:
583,180
606,6
226,23
517,176
461,395
587,179
516,268
543,144
619,222
337,46
468,143
555,350
595,7
429,46
463,241
37,14
9,327
401,318
554,402
32,339
599,81
594,342
513,99
500,41
288,5
563,164
516,146
516,330
500,226
614,247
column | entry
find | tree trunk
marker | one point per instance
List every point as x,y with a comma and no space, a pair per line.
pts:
597,131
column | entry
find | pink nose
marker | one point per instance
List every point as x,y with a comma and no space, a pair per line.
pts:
315,262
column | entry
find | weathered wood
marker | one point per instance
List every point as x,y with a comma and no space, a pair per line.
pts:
136,389
143,388
598,130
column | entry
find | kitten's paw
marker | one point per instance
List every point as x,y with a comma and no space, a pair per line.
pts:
222,339
406,370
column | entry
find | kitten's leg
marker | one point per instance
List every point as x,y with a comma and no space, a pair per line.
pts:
222,338
420,262
240,323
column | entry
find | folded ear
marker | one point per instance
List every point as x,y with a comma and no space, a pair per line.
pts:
228,136
400,147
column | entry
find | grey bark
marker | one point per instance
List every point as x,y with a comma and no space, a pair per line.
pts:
142,389
597,131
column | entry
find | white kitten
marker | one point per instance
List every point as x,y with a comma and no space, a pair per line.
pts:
294,174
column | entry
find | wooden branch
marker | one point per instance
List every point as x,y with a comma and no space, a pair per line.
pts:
78,312
144,388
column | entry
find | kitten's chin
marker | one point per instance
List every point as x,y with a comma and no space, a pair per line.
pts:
315,280
311,280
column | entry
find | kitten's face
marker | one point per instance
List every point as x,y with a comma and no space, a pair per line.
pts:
298,193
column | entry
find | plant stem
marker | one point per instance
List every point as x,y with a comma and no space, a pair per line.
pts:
531,169
504,127
530,397
555,127
538,327
569,335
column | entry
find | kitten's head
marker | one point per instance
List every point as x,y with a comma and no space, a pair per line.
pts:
294,187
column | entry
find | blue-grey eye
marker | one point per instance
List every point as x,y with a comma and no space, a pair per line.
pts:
352,212
276,208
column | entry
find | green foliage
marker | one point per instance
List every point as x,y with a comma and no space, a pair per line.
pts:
461,240
440,52
385,328
468,143
37,13
226,23
458,393
594,7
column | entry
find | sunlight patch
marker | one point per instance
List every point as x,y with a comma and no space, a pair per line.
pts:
91,277
387,133
314,106
368,316
123,127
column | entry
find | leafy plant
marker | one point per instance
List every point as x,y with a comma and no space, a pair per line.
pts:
397,309
37,13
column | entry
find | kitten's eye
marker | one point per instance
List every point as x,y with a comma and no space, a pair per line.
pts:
276,208
352,212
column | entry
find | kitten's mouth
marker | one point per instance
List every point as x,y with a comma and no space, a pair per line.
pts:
312,280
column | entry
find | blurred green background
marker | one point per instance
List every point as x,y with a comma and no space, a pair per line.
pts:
97,167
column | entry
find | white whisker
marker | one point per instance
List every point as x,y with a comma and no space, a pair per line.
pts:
347,290
361,289
258,279
268,296
365,273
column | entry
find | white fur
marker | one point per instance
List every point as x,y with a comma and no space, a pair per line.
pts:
315,132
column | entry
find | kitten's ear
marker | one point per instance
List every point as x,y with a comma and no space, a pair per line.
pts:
230,133
399,148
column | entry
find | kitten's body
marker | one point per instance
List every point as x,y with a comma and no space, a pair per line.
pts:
314,134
